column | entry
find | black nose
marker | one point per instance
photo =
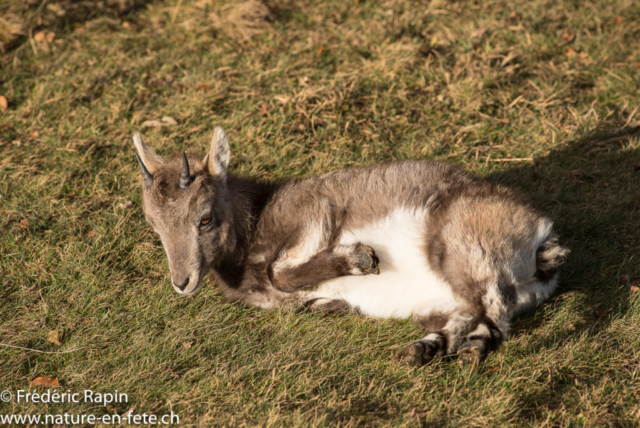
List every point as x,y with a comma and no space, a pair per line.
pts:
182,286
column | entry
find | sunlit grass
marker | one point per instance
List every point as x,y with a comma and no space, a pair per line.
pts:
540,95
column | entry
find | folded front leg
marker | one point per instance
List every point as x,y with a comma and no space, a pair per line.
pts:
342,260
327,306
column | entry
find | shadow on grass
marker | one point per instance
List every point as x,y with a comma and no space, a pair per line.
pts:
590,188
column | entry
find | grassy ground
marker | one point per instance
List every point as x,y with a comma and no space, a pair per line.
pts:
542,95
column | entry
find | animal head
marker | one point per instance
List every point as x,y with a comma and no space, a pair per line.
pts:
185,202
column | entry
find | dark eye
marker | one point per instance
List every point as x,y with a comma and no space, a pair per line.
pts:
205,220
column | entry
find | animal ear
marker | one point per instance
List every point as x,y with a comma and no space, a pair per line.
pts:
148,159
217,160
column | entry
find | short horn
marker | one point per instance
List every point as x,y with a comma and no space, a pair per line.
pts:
148,178
185,175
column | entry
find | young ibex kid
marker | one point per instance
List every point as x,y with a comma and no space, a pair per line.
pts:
406,239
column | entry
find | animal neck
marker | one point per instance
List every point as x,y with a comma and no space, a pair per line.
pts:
247,200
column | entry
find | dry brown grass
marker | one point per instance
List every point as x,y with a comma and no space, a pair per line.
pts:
242,20
541,95
21,19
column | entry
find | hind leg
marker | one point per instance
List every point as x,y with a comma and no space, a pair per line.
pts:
423,351
439,343
477,344
491,331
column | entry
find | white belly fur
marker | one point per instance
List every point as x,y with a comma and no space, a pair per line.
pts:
406,285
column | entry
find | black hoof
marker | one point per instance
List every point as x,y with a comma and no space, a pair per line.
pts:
472,353
366,260
417,354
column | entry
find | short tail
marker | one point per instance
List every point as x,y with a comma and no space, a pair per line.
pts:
549,257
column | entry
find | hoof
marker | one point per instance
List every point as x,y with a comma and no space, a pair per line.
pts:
472,353
366,260
417,354
412,355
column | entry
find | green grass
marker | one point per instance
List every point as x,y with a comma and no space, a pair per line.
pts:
304,88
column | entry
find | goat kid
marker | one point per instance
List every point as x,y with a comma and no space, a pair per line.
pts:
406,239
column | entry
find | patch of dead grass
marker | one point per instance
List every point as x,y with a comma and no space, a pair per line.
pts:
242,20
